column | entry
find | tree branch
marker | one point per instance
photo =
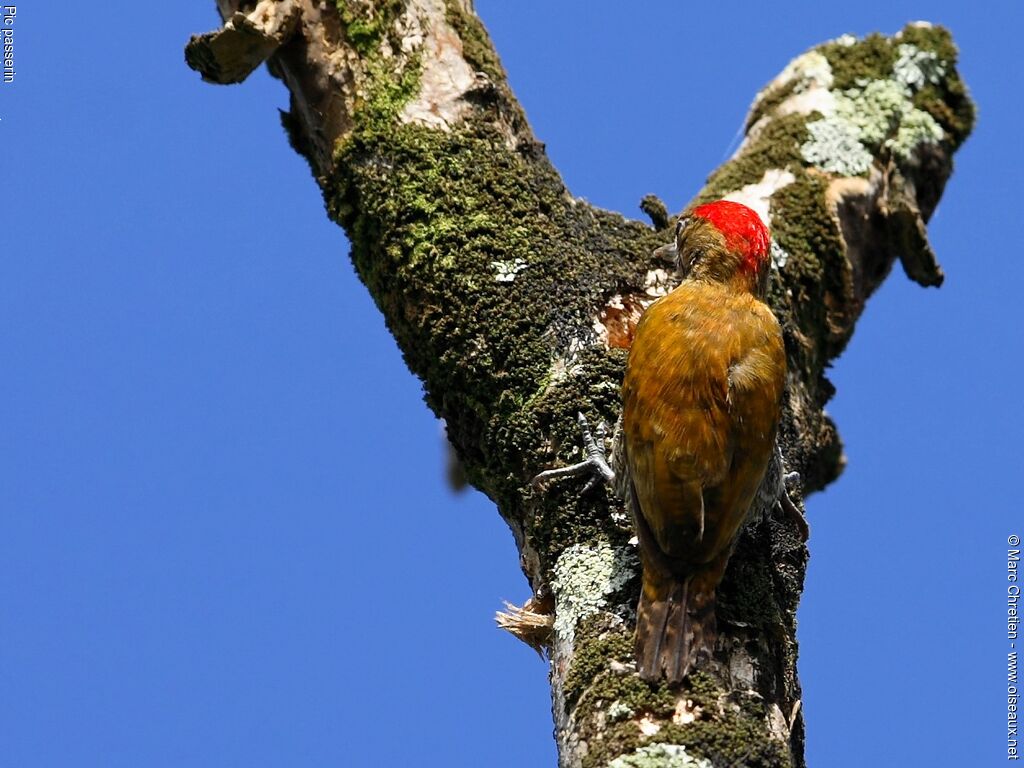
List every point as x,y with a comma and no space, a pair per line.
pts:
515,303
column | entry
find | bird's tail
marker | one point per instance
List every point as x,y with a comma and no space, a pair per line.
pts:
675,626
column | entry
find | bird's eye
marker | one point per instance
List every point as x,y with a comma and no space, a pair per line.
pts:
681,225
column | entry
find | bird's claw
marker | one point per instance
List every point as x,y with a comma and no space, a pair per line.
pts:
791,481
595,459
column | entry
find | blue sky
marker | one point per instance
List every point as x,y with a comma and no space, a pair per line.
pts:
225,537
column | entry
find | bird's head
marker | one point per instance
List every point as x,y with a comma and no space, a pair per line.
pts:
723,242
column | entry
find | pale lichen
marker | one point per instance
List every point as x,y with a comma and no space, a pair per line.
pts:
657,283
803,87
617,711
584,577
506,271
916,129
874,110
916,68
835,147
659,755
876,113
778,254
806,71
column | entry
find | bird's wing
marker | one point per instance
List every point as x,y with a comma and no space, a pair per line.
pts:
757,375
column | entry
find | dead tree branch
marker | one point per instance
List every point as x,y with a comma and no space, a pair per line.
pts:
515,302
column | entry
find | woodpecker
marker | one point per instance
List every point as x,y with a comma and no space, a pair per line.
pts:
701,397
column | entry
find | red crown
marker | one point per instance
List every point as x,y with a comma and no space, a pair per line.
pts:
744,231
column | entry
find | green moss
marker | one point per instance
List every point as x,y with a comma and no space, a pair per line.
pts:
555,526
729,739
932,38
769,100
364,34
858,64
748,590
595,687
429,213
388,94
948,101
591,684
615,740
388,82
872,59
659,755
366,23
656,211
641,697
477,48
729,736
951,107
817,272
702,690
777,146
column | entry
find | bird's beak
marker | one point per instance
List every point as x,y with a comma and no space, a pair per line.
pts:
667,253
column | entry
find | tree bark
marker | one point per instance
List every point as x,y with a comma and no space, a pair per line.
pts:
515,303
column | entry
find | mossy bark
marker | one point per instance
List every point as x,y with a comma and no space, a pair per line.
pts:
514,302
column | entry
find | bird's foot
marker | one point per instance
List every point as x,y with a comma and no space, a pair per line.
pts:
792,480
595,462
